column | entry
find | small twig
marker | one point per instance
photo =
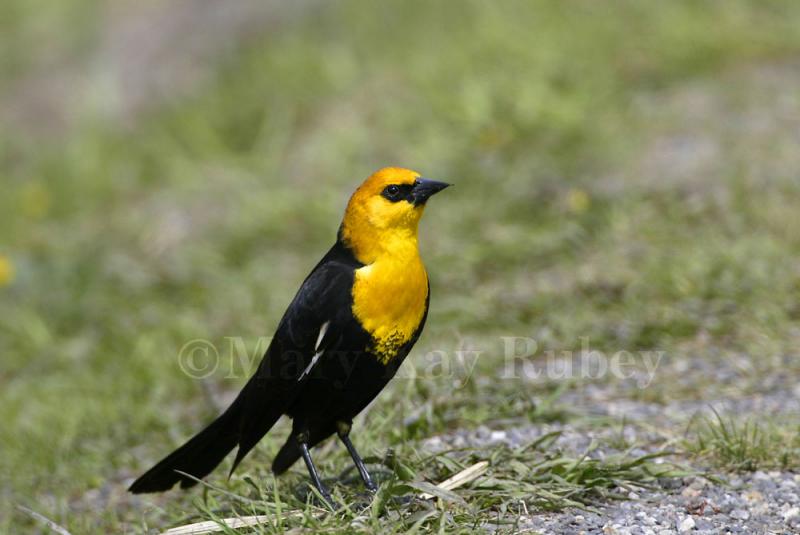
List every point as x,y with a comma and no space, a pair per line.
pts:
212,526
44,520
461,478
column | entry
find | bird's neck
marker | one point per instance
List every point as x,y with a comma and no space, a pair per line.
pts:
388,246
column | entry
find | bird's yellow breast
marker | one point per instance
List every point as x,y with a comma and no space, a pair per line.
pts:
389,299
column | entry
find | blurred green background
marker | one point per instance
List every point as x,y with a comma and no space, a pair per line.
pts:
625,172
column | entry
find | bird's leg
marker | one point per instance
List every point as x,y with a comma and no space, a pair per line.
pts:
302,441
343,429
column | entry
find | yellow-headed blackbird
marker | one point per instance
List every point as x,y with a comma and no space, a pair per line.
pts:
343,337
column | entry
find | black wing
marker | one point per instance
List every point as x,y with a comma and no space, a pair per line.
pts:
317,316
324,299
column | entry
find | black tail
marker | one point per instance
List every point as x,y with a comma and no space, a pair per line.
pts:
290,451
287,456
199,456
245,422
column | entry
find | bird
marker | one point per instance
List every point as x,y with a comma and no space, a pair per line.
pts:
343,337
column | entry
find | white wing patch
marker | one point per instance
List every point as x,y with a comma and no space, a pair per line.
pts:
322,331
319,352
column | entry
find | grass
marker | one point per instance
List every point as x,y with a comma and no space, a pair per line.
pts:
579,213
535,475
747,445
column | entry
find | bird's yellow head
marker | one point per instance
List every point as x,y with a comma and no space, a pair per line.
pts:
384,212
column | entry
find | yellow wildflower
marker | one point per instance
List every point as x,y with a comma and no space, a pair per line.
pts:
578,200
6,271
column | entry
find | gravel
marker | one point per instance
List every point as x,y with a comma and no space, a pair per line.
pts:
758,502
748,503
762,503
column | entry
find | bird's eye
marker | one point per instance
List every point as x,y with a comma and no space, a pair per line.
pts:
395,192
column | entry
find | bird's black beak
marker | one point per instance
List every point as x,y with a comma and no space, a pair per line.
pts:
424,188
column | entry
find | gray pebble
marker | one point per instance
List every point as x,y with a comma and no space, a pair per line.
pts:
740,514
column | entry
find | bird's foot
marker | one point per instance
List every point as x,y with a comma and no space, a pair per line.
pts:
312,494
327,498
370,485
403,500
